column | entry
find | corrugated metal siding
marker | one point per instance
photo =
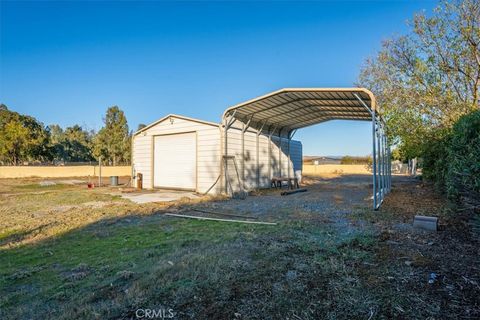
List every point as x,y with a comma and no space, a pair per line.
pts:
276,158
142,158
234,140
296,156
264,157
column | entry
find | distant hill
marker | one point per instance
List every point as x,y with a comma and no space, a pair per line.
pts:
318,160
322,159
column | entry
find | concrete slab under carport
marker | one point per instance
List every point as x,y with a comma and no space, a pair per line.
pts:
159,196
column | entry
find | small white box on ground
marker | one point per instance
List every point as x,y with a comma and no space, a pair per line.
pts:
426,223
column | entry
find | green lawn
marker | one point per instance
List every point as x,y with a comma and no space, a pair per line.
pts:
113,267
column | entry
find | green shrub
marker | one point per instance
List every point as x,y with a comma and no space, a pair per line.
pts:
435,162
463,179
452,160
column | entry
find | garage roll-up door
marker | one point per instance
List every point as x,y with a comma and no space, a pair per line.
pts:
175,161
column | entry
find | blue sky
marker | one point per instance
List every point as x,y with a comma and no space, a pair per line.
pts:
66,62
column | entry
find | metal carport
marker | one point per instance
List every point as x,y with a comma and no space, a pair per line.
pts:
284,111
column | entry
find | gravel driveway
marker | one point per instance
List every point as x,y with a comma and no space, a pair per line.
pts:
325,198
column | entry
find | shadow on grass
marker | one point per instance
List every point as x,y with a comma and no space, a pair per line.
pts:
43,278
13,236
198,268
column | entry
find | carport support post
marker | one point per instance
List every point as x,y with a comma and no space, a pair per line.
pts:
380,159
386,159
374,160
243,155
257,156
270,133
244,129
227,124
383,163
385,170
132,168
389,165
280,152
288,162
291,133
269,155
384,185
389,157
225,151
384,180
257,153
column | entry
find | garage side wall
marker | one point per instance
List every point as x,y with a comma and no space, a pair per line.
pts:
272,158
247,167
142,159
296,156
208,150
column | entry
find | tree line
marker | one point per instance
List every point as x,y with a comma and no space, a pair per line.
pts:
25,140
427,84
356,160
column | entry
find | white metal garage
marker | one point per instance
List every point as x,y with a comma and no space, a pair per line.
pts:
178,152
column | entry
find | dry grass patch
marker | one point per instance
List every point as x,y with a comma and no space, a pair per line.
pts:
31,212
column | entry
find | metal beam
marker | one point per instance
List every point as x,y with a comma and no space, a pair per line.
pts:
374,160
225,153
280,152
372,112
380,159
385,171
232,121
288,165
388,165
270,133
257,155
292,133
243,155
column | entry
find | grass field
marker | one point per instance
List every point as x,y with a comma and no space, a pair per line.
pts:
69,253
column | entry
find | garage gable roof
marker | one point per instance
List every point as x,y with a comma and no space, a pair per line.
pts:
177,117
294,108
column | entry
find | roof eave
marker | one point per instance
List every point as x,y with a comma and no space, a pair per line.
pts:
178,117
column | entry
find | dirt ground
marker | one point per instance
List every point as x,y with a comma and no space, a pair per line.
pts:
68,252
326,198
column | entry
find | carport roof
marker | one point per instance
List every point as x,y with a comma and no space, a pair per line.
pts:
294,108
